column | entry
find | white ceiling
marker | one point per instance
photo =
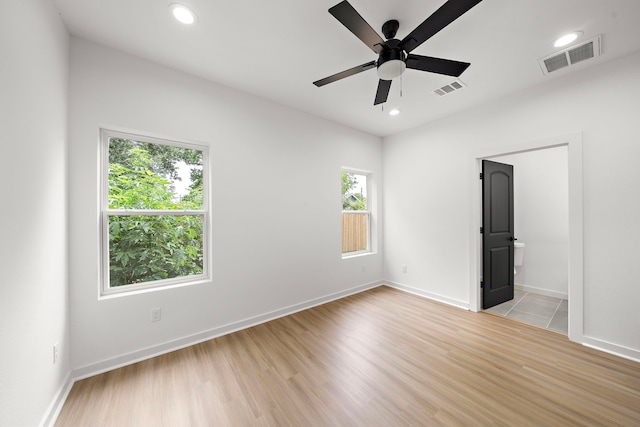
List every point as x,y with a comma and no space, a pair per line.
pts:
275,49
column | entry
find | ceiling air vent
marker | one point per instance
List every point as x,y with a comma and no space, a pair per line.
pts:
451,87
570,56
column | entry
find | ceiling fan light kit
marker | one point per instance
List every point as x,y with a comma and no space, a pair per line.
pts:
391,64
394,56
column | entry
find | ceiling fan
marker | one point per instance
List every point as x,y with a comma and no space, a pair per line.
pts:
394,55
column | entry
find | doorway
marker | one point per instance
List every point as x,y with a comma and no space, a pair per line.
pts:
539,267
573,145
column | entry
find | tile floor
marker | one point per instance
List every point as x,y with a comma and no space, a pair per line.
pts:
539,310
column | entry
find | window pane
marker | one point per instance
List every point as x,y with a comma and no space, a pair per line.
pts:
354,192
354,232
143,175
155,247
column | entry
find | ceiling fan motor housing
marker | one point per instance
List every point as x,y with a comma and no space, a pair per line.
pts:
391,62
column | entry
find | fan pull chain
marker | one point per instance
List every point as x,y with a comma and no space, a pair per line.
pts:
400,86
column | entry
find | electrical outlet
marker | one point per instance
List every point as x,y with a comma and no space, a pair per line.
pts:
404,268
56,353
156,314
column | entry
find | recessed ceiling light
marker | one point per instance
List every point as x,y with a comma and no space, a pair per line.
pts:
183,13
394,112
567,38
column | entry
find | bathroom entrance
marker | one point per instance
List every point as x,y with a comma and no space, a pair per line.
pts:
547,216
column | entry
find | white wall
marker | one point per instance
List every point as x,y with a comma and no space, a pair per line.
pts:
276,204
33,213
428,191
541,204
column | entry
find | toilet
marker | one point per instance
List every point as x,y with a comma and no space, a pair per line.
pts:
518,255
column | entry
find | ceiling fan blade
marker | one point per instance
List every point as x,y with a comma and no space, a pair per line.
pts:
436,65
448,12
345,73
383,91
350,18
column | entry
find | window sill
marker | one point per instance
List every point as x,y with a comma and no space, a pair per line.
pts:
357,254
110,294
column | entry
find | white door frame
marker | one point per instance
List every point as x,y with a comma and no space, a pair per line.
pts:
573,142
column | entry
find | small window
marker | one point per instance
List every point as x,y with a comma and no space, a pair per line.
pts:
356,214
154,212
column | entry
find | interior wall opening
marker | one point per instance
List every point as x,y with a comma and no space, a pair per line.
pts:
541,265
572,144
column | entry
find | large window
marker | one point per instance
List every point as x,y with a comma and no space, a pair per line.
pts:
356,213
154,212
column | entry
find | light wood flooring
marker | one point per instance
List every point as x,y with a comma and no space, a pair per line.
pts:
378,358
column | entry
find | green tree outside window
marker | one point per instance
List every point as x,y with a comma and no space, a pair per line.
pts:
153,244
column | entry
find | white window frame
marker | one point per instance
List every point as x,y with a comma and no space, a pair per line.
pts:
368,212
105,213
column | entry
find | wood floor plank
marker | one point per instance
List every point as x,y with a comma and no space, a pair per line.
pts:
378,358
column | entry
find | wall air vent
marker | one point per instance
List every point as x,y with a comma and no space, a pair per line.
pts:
571,55
451,87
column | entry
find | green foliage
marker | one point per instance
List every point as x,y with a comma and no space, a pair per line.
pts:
145,248
352,201
148,248
162,159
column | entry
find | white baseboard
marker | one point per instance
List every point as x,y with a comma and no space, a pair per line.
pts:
157,350
57,403
541,291
51,415
106,365
425,294
615,349
607,347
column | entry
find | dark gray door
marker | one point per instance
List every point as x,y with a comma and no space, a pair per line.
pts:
497,233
